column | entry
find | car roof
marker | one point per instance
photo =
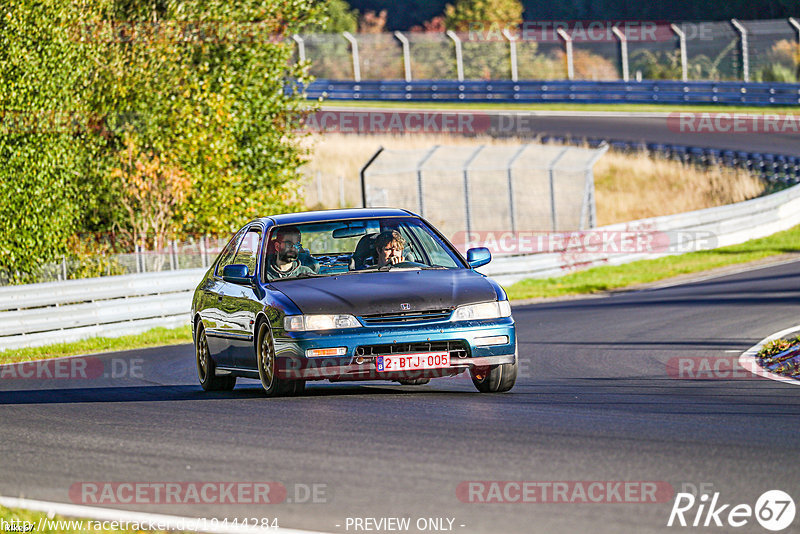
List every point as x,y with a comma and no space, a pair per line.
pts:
336,215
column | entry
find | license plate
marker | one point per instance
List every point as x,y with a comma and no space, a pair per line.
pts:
413,362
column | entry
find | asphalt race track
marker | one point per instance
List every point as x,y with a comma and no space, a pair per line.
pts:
599,399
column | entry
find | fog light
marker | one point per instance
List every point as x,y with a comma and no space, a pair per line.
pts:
491,340
316,353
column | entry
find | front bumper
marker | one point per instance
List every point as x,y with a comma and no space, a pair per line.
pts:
292,362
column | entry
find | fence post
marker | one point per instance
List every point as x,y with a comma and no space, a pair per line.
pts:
406,54
459,57
551,174
301,47
510,166
745,52
319,187
363,174
794,22
466,188
623,47
570,59
589,208
203,256
684,59
354,48
420,164
341,191
512,47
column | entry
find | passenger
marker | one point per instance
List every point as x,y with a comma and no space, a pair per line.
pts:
389,247
282,256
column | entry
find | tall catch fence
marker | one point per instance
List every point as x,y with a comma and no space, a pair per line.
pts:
466,190
756,50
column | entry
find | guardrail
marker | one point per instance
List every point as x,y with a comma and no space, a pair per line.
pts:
700,230
559,91
53,312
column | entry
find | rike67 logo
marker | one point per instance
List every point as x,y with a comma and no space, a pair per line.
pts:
774,510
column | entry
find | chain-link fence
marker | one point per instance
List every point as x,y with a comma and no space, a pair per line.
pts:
190,254
759,50
467,189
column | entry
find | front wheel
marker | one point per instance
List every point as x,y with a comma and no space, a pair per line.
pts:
267,367
206,370
495,379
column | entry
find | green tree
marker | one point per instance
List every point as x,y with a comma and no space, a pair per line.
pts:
466,13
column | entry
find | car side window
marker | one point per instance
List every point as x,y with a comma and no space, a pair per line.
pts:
227,254
248,249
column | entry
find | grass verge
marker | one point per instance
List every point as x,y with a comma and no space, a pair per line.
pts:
156,337
520,106
30,521
604,278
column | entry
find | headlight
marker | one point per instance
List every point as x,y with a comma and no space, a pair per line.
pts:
301,323
486,310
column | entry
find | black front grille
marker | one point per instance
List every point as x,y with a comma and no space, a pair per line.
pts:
456,348
407,317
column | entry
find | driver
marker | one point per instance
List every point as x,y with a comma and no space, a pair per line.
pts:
389,247
283,259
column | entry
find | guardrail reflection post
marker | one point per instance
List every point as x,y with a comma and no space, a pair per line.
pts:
745,53
466,187
356,62
551,171
684,59
568,47
459,56
512,48
406,54
623,47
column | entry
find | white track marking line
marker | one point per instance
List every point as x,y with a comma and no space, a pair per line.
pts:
748,358
172,522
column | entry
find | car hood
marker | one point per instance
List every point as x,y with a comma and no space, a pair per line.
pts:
383,292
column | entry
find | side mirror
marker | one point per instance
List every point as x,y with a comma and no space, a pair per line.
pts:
237,274
477,257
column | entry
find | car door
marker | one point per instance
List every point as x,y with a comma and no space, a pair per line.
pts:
241,303
214,316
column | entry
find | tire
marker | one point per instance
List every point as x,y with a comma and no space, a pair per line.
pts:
414,381
265,352
495,379
206,370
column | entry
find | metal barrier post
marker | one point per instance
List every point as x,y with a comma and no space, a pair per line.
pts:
511,162
354,48
793,21
684,58
363,174
623,46
466,187
301,47
589,208
512,45
406,54
745,59
459,56
570,60
420,163
551,173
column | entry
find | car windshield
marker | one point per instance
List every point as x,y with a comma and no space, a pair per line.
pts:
354,246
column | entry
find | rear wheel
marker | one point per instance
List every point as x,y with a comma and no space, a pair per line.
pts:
495,379
206,370
267,367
